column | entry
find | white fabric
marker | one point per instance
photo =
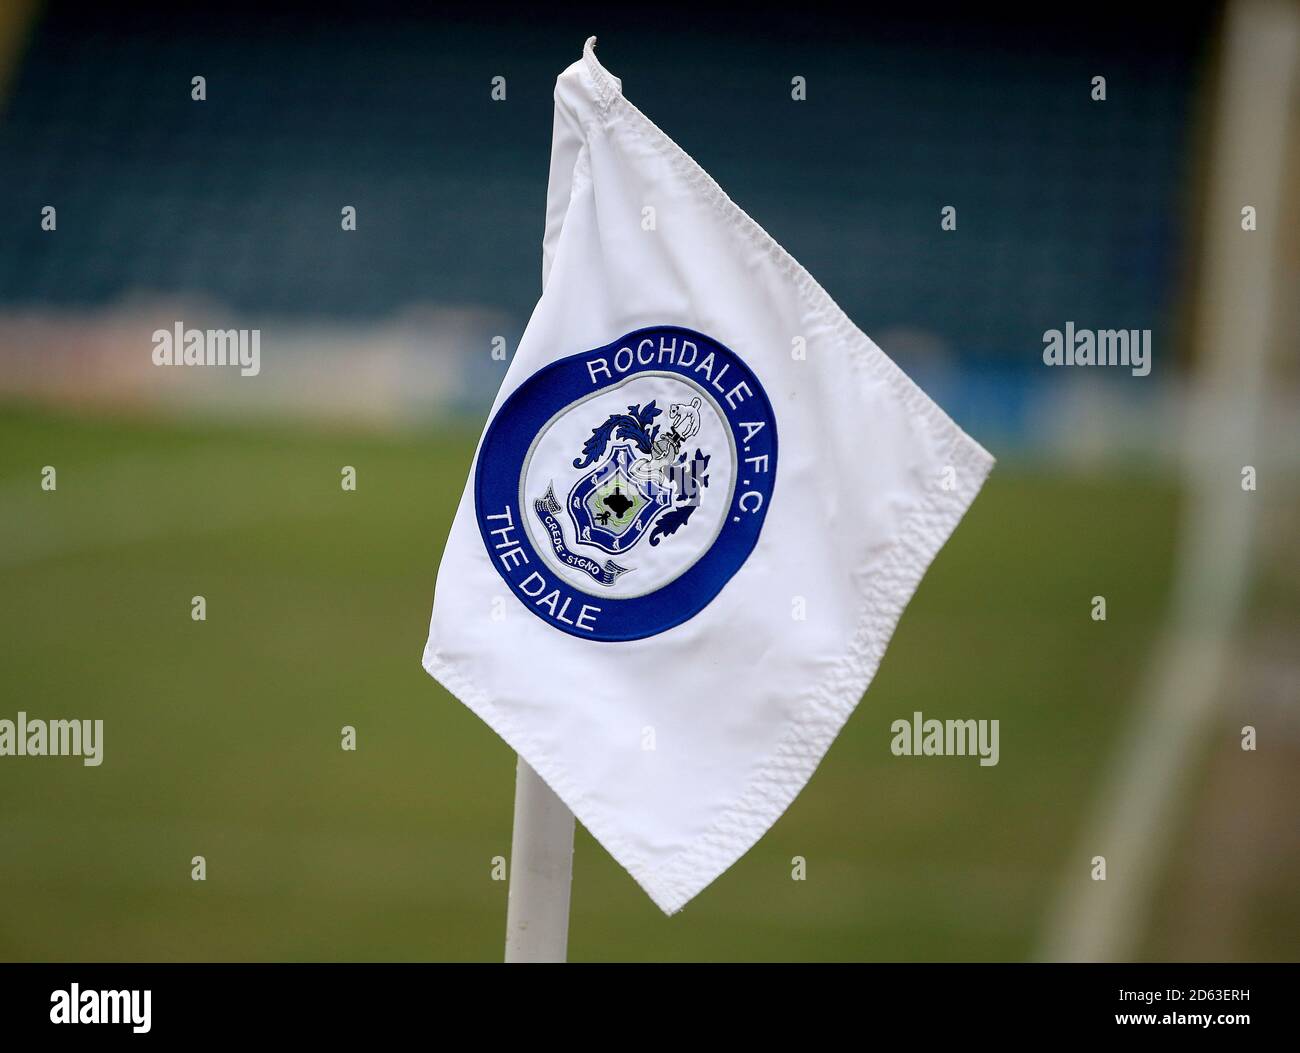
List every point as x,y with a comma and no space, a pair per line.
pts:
741,701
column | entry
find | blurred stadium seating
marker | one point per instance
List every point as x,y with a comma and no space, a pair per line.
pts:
1065,210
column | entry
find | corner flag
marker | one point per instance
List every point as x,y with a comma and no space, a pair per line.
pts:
700,504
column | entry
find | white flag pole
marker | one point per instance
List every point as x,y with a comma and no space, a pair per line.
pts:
541,847
541,872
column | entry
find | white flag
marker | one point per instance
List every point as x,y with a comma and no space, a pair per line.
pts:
701,502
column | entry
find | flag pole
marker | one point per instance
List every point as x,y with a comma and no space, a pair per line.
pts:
541,872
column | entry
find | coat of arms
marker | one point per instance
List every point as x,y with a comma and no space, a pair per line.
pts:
639,481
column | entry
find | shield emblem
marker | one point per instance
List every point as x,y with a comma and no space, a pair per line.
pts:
615,504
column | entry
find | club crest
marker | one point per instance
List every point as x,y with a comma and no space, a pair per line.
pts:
619,489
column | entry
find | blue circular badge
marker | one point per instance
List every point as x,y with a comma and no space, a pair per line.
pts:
618,490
